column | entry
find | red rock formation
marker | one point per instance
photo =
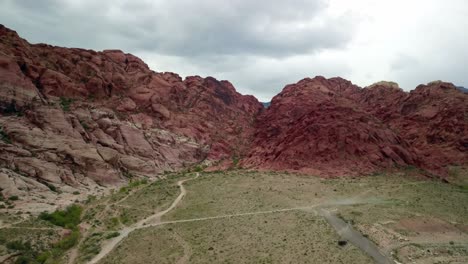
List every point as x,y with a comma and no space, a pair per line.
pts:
314,127
331,127
75,116
433,119
68,115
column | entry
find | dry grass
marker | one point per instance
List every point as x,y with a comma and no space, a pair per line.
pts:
289,237
375,205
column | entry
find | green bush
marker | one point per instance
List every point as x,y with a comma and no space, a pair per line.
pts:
13,198
24,260
68,218
16,245
65,103
51,187
41,258
198,168
112,235
69,241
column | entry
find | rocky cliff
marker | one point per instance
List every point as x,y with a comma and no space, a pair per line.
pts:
78,117
432,119
332,127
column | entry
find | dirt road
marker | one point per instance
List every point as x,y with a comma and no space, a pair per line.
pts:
154,219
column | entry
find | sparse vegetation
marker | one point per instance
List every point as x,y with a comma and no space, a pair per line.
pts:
65,103
112,235
68,218
13,198
84,125
51,187
4,136
127,174
375,205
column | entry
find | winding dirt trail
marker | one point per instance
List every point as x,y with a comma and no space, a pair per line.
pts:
73,254
156,218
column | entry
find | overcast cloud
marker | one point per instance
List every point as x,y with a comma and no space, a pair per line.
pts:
260,46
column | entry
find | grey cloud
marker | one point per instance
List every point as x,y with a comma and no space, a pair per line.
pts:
183,28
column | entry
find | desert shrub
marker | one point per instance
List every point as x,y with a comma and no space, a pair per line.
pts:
90,199
84,125
4,136
24,260
69,241
41,258
17,245
13,198
136,183
65,103
235,161
51,187
127,174
112,235
68,218
198,168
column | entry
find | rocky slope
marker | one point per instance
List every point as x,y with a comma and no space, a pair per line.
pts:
78,117
432,118
332,127
314,126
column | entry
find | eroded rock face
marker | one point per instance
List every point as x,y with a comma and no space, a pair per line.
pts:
315,127
332,127
73,116
432,119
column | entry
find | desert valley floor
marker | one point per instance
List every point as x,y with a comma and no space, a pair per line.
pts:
257,217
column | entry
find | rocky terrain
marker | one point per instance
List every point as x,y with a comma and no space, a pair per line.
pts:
315,127
332,127
78,119
74,117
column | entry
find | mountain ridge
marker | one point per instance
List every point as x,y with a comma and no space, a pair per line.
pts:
83,118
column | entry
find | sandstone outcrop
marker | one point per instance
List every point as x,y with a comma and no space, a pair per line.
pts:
68,116
78,119
332,127
314,126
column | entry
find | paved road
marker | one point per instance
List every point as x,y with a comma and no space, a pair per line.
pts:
347,232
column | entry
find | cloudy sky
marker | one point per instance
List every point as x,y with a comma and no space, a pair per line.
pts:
262,45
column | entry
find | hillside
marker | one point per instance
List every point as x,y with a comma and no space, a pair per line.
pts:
78,119
332,127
